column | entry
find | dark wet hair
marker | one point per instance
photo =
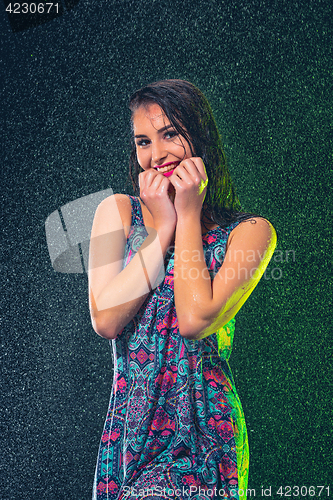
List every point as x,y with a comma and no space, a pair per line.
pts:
191,115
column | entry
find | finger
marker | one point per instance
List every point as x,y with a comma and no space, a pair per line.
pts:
145,182
203,174
146,178
201,167
176,181
141,181
188,172
163,187
155,183
155,180
196,164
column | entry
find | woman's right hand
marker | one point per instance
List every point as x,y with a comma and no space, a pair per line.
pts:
154,193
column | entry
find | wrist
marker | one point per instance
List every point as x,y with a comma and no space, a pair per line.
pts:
165,234
189,218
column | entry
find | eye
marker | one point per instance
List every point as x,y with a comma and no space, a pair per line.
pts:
170,134
142,142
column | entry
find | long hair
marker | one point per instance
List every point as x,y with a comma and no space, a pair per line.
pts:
189,112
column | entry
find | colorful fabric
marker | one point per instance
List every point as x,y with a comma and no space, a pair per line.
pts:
175,427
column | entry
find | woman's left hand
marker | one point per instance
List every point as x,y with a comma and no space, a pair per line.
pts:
190,182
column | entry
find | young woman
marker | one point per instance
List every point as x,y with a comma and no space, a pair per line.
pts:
169,270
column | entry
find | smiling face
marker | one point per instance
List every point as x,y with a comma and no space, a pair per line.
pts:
158,144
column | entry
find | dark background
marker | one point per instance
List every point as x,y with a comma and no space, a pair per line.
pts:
266,67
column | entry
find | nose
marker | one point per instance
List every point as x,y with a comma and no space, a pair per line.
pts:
159,153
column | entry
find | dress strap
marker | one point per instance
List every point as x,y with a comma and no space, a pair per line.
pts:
137,217
137,233
232,226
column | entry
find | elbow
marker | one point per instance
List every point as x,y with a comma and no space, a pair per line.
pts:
197,328
189,335
191,328
103,328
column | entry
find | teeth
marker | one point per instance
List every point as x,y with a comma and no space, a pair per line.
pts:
167,168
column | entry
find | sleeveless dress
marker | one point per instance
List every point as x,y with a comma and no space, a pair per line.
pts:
175,428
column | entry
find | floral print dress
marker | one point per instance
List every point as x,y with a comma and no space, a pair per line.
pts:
175,428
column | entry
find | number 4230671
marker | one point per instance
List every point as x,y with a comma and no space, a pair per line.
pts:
303,491
32,8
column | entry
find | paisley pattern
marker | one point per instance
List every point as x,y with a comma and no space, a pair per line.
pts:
175,428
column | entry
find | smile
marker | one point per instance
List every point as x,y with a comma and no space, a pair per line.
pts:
167,167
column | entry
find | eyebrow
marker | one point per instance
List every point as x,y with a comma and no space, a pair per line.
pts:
159,131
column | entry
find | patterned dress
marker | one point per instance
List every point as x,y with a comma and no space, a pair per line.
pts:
175,428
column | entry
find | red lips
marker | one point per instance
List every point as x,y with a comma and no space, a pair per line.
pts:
166,164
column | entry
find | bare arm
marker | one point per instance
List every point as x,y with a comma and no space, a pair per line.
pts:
203,306
115,295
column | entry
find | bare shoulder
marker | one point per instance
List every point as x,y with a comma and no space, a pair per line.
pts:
118,200
125,208
256,230
113,211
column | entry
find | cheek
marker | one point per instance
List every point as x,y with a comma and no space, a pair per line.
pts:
142,158
187,153
139,156
186,150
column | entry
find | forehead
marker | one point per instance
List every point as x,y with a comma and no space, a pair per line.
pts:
149,115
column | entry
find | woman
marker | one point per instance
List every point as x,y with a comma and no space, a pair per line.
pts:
175,427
